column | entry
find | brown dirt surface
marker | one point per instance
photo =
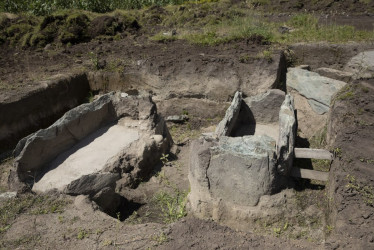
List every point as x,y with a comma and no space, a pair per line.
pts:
41,222
321,6
352,174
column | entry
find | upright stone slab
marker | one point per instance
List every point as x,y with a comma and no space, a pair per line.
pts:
265,107
225,127
287,136
242,169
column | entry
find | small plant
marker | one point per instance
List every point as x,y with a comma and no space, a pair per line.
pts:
90,97
134,218
94,60
164,158
244,58
163,178
61,219
329,229
107,242
366,191
338,152
173,206
160,239
82,234
277,231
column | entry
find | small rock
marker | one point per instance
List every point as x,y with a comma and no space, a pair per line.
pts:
305,67
175,150
124,95
78,61
158,138
48,46
8,195
177,118
284,29
101,64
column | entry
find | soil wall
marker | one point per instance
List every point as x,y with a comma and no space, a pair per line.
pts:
40,108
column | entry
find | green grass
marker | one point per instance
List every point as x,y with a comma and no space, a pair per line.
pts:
46,7
366,191
28,204
173,206
203,23
254,28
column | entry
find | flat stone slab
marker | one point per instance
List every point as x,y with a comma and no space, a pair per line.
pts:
362,65
316,88
87,157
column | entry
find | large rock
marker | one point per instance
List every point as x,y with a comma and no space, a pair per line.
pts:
362,65
242,169
231,178
41,147
317,89
92,146
225,127
238,170
92,184
287,136
265,107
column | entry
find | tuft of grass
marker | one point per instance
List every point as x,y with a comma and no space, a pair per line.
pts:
82,234
173,206
345,93
366,191
160,239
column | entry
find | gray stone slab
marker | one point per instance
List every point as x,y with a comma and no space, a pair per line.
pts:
316,88
362,65
225,127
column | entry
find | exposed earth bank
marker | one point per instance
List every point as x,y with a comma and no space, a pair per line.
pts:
198,82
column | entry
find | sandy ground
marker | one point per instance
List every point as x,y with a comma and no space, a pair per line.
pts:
271,130
87,157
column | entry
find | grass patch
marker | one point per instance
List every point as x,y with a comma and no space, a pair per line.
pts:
46,7
233,29
346,93
365,191
28,204
253,27
182,133
173,206
308,29
205,23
